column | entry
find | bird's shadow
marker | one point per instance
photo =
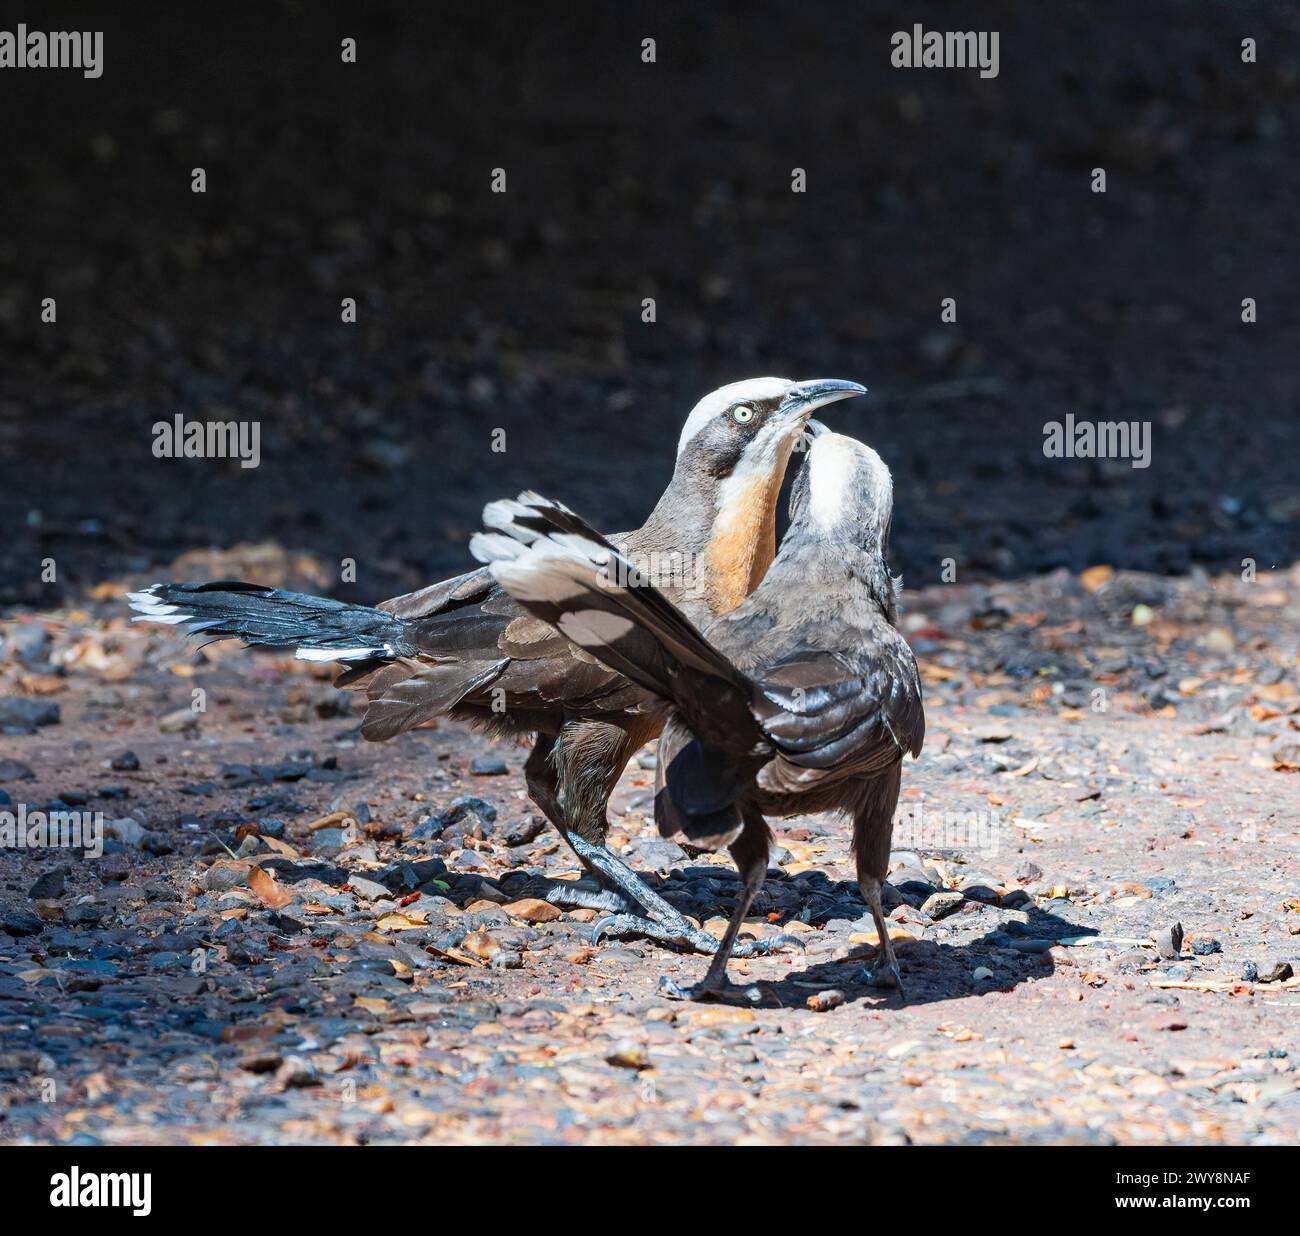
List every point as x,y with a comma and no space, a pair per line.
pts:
932,971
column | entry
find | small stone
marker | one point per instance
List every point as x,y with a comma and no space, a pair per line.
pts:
48,885
179,721
521,832
87,913
826,1000
533,910
15,770
18,922
1203,946
982,974
488,766
225,874
126,830
990,731
1169,942
626,1054
1274,970
1249,972
125,761
941,904
114,867
23,715
979,887
368,890
296,1072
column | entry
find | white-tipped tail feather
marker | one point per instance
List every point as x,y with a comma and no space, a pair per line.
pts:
342,654
316,628
151,609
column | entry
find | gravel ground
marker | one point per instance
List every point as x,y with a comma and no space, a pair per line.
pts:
1100,954
242,966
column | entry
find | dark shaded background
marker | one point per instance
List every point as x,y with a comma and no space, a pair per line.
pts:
628,180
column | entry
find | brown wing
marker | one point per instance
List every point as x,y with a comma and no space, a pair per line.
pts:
477,649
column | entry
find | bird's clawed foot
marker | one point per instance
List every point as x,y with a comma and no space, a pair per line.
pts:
768,945
675,930
885,973
732,993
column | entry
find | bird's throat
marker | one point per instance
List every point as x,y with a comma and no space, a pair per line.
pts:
742,541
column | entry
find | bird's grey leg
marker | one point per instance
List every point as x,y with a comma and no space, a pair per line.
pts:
873,829
886,972
565,771
750,853
539,773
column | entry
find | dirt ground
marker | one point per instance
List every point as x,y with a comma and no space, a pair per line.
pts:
401,977
1112,707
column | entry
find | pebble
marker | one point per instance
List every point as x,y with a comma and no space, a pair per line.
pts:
369,890
1169,942
126,761
49,884
296,1072
1274,970
488,766
178,721
15,770
87,913
21,715
19,922
533,910
1203,946
626,1054
127,830
941,904
826,1000
524,830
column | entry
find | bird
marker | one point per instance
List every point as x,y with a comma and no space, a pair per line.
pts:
465,649
803,698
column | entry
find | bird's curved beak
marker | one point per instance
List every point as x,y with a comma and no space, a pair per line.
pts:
804,398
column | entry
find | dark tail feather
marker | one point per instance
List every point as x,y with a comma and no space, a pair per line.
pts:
317,628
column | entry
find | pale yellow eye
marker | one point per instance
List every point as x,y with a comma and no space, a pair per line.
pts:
742,415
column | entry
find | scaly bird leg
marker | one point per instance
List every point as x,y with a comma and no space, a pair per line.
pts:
750,853
886,972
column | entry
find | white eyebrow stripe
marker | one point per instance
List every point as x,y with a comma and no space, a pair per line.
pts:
714,404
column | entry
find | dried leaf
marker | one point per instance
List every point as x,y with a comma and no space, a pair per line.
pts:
270,893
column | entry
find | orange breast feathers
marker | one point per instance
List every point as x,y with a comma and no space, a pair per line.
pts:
743,541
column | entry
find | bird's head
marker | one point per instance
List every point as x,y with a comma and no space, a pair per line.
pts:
748,428
843,491
733,453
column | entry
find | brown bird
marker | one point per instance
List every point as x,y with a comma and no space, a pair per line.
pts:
464,648
804,698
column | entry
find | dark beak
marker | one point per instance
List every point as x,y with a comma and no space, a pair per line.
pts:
804,398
